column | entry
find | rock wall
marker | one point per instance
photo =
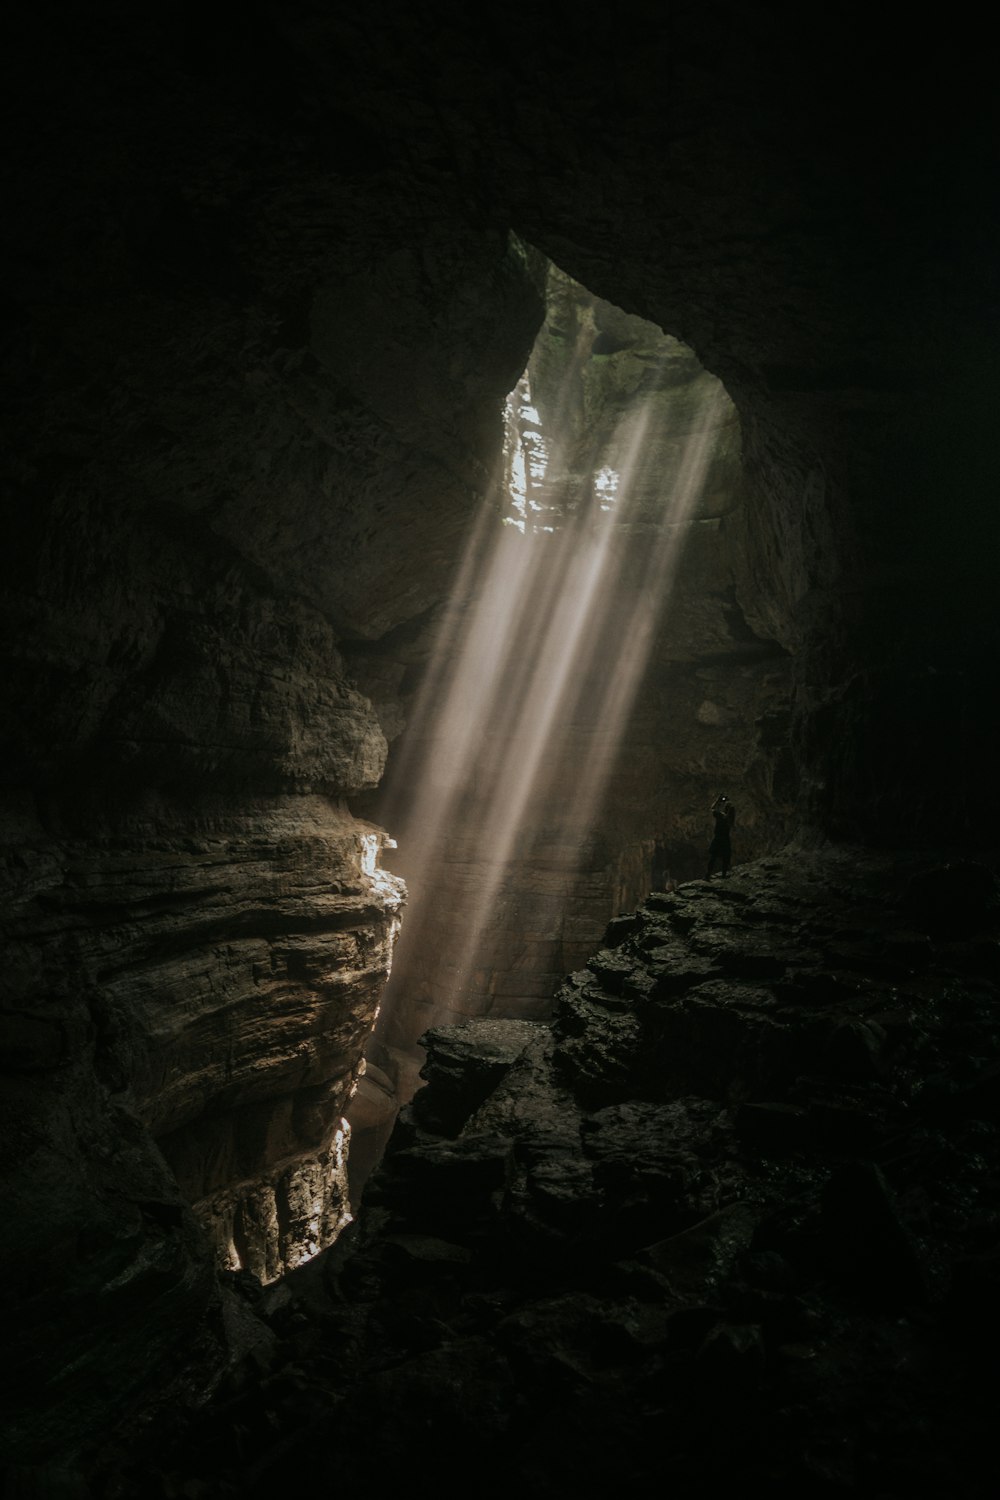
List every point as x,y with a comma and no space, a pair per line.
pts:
184,1018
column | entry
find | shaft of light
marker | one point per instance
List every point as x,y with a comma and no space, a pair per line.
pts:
547,630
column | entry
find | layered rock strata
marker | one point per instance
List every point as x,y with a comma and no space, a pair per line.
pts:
245,1084
733,1213
184,1017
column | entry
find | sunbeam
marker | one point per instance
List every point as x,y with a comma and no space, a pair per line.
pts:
540,654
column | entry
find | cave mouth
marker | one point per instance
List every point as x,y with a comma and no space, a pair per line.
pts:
550,652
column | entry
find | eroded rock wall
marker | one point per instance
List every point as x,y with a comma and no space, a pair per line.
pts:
184,1017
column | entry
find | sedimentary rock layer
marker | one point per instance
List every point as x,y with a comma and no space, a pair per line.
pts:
205,991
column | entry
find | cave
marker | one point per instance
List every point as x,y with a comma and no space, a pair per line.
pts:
445,450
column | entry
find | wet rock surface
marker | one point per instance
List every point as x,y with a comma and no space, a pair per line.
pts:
741,1228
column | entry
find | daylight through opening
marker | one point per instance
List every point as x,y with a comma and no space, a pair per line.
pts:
617,445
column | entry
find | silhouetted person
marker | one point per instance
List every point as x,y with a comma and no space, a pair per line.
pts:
720,851
658,874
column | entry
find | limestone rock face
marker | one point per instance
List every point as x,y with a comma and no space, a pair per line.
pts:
185,1016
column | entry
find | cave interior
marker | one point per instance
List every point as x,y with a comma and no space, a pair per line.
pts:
444,449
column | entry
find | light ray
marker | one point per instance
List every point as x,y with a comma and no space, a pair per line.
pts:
546,636
662,559
574,640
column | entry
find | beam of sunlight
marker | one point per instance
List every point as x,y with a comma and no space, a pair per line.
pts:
622,682
542,648
587,629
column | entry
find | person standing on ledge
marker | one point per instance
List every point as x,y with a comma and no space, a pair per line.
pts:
720,851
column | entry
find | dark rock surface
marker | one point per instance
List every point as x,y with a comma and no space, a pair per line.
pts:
741,1228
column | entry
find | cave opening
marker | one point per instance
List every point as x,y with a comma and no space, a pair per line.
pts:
522,821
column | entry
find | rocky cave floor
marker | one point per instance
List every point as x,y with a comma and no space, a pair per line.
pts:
731,1219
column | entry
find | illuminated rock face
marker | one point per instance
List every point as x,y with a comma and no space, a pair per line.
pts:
249,1035
204,992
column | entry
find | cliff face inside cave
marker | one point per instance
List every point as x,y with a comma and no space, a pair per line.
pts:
263,308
